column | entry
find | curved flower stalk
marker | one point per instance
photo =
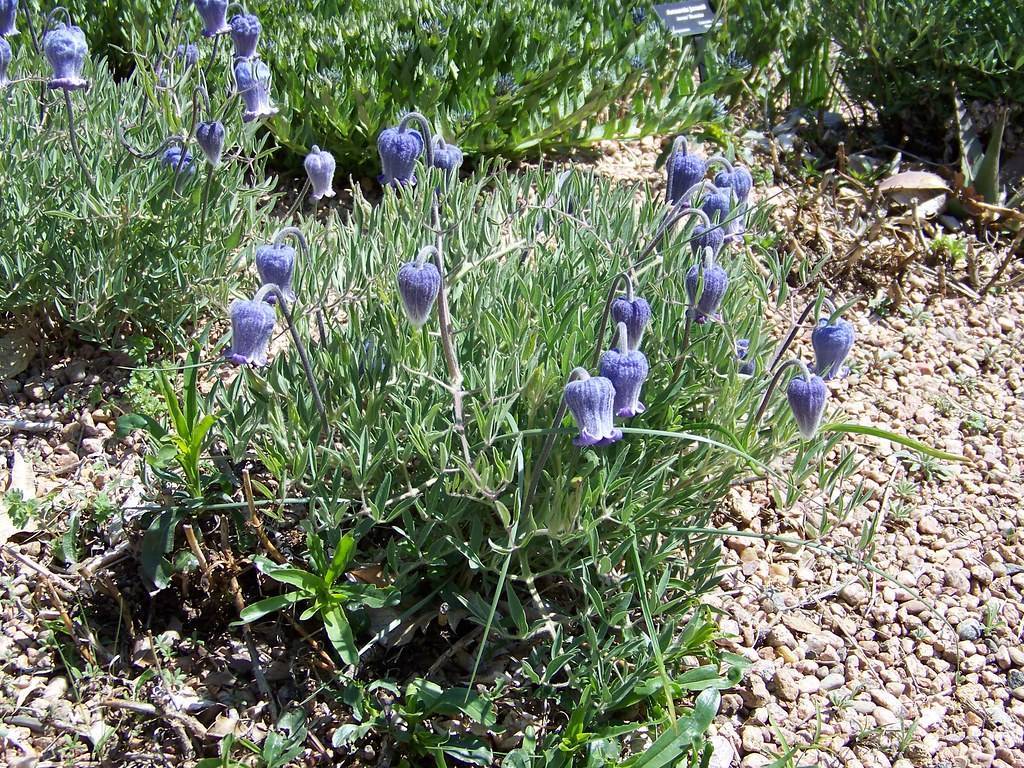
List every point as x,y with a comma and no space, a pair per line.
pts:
275,262
591,400
261,335
627,370
252,79
8,17
66,48
214,15
419,283
684,170
806,394
320,167
832,341
5,61
245,31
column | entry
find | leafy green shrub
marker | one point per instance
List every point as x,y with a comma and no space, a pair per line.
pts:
903,58
122,252
501,78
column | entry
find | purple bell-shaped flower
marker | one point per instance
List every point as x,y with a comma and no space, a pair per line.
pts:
8,17
741,183
807,395
252,324
320,169
189,54
173,156
447,157
419,282
684,170
65,48
716,205
214,14
5,61
712,237
832,343
591,400
245,34
627,371
398,153
252,77
635,314
275,265
747,367
210,138
716,281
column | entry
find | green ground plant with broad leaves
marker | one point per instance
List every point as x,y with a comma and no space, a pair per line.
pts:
500,78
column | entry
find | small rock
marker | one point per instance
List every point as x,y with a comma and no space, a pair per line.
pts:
91,446
853,594
755,694
786,685
929,526
723,753
884,717
752,739
832,682
969,629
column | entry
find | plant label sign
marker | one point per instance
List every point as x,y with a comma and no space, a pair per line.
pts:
688,18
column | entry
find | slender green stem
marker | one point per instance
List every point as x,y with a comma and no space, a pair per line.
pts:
298,200
207,186
645,608
300,347
73,133
603,325
426,134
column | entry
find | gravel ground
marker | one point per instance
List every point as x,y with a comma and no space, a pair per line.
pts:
922,667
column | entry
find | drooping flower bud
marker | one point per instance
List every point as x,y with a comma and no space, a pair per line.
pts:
716,281
210,138
418,285
635,314
716,205
214,14
747,367
707,237
739,181
5,61
252,77
684,170
65,48
252,324
447,157
807,396
627,371
832,343
245,34
189,54
398,153
275,265
591,400
8,17
320,169
172,156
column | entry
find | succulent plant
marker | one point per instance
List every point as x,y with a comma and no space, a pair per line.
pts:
832,342
66,48
252,324
320,169
591,400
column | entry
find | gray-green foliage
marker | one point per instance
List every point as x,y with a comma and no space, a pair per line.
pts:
129,256
498,77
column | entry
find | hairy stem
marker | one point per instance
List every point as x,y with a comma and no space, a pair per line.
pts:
752,424
603,325
425,133
73,133
795,328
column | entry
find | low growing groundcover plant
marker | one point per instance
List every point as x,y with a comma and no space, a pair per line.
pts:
508,411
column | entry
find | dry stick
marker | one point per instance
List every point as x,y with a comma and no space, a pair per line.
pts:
300,347
34,566
193,544
1005,263
257,523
